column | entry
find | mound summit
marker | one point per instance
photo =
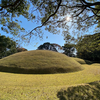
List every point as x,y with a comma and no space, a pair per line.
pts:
39,62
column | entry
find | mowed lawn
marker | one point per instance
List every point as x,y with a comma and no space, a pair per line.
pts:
44,86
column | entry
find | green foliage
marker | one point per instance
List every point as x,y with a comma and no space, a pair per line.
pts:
98,7
69,49
69,46
69,39
52,15
88,47
12,9
47,46
7,46
21,49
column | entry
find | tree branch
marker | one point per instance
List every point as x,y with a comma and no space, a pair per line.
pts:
45,20
80,12
77,6
86,4
87,18
95,13
39,6
90,4
11,5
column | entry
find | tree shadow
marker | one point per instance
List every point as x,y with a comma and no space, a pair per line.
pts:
88,62
19,70
91,91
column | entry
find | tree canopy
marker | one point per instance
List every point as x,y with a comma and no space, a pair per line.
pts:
53,14
69,46
47,46
88,47
69,49
21,49
7,46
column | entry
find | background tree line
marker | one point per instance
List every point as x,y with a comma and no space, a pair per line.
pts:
86,47
9,46
52,14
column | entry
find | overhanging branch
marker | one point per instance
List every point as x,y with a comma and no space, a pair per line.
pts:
45,20
90,4
11,5
80,12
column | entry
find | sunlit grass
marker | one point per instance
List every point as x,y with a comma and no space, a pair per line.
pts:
39,62
44,86
90,91
14,86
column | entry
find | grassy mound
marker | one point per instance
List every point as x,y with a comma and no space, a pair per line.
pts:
39,62
90,91
81,85
82,61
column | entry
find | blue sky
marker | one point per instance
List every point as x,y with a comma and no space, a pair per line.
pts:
35,42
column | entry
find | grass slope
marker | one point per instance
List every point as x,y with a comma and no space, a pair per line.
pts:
39,62
82,61
48,86
90,91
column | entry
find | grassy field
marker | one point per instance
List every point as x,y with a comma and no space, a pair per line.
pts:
44,86
39,62
81,85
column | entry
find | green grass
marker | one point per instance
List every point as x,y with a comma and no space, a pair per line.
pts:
80,85
44,86
39,62
90,91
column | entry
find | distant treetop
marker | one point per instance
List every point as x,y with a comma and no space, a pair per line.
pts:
47,46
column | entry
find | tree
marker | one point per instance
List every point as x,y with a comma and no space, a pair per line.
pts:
9,11
69,46
21,49
47,46
52,14
69,49
7,46
58,47
88,47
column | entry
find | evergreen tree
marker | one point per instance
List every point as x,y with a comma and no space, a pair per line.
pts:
88,47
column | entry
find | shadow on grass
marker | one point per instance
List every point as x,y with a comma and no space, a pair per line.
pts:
83,61
34,71
90,91
88,62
